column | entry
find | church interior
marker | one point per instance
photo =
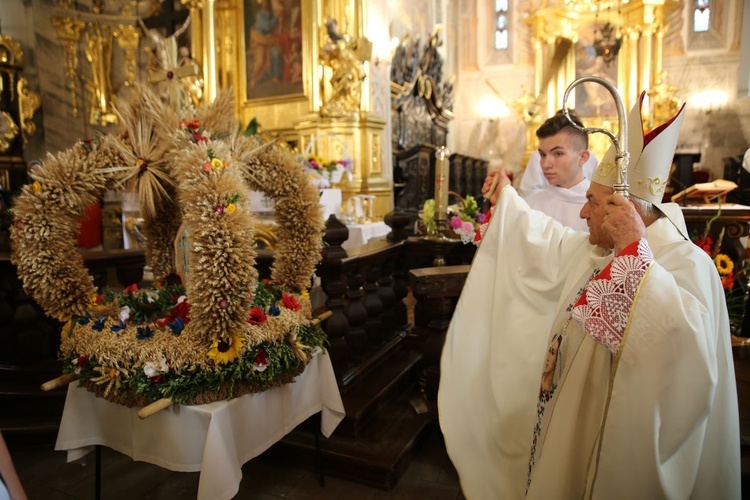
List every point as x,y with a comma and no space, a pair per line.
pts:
385,105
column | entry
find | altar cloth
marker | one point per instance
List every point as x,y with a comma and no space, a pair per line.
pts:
215,439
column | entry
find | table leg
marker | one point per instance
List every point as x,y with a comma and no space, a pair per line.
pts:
98,472
318,456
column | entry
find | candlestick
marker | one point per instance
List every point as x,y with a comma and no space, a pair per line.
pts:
442,175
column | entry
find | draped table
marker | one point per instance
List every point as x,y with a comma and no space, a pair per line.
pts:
360,234
215,439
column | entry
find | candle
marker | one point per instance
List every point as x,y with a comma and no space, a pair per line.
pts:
442,167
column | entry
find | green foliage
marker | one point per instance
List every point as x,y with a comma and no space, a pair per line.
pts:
186,386
148,304
252,128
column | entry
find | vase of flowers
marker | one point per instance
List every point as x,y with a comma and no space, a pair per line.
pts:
733,276
331,170
463,218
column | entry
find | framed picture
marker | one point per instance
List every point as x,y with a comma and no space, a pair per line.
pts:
593,100
275,48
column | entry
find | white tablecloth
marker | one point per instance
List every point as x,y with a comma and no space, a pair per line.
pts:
359,234
215,439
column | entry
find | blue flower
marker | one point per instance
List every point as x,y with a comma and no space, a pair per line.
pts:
118,327
82,320
176,326
274,310
144,332
98,325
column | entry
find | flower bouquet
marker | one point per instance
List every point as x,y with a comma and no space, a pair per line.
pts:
464,218
735,287
329,170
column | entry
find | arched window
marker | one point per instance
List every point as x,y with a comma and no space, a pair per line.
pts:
502,24
701,15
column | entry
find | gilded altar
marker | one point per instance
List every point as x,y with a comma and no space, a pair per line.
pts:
300,80
621,42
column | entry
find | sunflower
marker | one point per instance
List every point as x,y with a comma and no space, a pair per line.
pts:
724,264
223,351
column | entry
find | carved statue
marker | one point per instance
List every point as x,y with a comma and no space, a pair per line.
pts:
173,69
664,104
345,57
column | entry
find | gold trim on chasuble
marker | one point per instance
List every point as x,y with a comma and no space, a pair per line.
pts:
615,363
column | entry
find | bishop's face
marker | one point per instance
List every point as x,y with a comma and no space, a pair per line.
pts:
594,211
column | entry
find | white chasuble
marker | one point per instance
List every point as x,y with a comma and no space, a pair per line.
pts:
655,417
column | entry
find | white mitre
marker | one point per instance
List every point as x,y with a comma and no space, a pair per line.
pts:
651,158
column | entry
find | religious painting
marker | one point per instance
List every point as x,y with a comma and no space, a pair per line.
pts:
273,48
593,100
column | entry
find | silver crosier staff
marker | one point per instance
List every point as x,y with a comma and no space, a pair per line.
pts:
622,156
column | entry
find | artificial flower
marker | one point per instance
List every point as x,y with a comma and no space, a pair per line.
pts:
98,325
118,327
256,316
226,351
144,332
131,289
260,363
80,362
177,326
274,310
231,208
290,301
217,164
154,368
82,320
305,294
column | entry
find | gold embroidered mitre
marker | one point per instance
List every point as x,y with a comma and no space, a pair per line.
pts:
651,156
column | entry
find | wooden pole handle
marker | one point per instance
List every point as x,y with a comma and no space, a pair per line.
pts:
60,381
154,408
322,318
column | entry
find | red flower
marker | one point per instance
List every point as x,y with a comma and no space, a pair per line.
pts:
191,124
261,358
290,302
199,138
131,289
256,316
82,361
157,379
181,310
706,244
99,299
727,282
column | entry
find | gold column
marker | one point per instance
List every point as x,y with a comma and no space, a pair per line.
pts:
203,43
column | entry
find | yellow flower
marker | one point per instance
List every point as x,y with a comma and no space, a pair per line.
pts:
305,294
223,351
217,163
37,186
724,264
231,208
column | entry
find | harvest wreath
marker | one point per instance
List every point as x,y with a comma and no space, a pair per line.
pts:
219,335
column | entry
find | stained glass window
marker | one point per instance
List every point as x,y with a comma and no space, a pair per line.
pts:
502,25
701,15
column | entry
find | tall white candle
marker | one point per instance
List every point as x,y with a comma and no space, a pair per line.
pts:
442,175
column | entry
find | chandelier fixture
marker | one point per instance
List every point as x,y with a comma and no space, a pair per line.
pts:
607,43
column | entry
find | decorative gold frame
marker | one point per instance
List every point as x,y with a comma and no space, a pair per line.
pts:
224,64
